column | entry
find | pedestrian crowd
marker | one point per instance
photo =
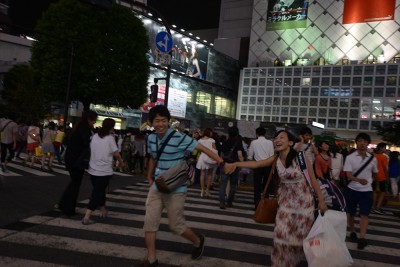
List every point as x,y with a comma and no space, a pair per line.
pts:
365,176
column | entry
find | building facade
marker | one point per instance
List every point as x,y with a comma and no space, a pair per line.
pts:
344,76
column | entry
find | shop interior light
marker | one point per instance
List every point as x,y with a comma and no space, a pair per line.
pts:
182,30
159,19
191,34
150,14
173,26
205,41
197,37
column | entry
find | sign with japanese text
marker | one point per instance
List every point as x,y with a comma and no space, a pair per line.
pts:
287,14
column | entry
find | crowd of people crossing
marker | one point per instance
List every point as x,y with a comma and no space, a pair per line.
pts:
367,177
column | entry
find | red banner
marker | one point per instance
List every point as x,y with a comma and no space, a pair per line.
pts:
359,11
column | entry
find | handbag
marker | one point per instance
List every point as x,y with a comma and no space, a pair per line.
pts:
324,247
175,176
209,160
267,207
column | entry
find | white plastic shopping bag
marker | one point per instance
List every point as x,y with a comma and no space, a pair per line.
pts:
324,247
338,220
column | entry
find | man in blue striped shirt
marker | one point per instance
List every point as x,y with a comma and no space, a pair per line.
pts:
173,153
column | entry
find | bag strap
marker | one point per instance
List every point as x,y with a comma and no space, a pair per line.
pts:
304,167
363,166
160,151
270,177
2,129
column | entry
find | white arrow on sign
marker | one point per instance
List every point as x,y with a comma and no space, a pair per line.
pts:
165,43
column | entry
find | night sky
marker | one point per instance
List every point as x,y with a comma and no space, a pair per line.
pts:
204,15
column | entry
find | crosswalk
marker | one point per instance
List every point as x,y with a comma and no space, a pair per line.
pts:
232,238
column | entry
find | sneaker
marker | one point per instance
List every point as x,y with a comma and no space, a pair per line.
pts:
87,221
373,211
222,206
198,251
146,263
379,211
353,236
362,243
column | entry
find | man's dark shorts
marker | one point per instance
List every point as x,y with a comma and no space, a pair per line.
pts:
357,198
382,186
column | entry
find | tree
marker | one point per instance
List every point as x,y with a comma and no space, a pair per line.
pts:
109,64
390,133
22,98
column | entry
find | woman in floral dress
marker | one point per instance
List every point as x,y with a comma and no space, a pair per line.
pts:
295,200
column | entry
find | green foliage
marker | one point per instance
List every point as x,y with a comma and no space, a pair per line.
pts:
109,54
22,98
390,133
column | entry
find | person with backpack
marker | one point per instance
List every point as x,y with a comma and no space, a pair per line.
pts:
361,169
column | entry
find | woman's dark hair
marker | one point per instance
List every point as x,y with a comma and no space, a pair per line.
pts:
87,116
208,132
292,153
107,125
233,132
159,110
335,149
324,142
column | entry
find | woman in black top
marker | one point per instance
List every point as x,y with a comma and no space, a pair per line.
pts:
76,159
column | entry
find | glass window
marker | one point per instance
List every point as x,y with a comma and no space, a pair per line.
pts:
296,81
375,125
267,110
271,71
204,99
303,120
260,110
278,81
252,110
277,101
312,112
294,101
243,109
368,81
356,80
333,102
285,101
305,91
364,125
344,102
367,92
304,102
247,72
326,71
346,80
322,112
354,113
252,100
342,124
392,69
381,69
261,82
293,120
378,91
314,91
245,100
379,80
263,72
253,91
246,82
390,92
337,71
243,117
294,111
261,91
306,71
369,70
315,81
224,107
347,70
358,70
313,102
305,81
331,123
353,124
279,72
322,121
333,112
278,91
365,112
254,82
356,91
246,90
316,71
284,119
268,91
288,81
325,81
251,118
276,111
270,82
275,118
323,102
303,112
267,118
297,72
288,71
268,101
295,91
285,111
255,72
376,109
260,100
391,80
286,91
258,118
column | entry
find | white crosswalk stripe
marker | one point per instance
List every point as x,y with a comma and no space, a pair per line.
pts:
232,237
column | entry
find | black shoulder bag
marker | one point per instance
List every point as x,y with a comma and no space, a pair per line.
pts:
361,168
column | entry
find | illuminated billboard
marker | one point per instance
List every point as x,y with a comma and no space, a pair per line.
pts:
359,11
287,14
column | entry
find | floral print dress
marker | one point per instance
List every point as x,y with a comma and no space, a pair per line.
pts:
294,218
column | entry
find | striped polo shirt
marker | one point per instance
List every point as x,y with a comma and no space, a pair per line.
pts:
173,152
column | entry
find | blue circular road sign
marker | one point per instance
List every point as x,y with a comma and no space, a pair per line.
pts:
164,42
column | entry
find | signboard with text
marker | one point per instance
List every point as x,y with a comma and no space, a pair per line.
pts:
283,15
160,99
362,11
177,100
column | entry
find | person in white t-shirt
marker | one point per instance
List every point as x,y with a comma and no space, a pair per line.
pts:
103,150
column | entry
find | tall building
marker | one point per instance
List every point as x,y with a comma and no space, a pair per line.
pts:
334,62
